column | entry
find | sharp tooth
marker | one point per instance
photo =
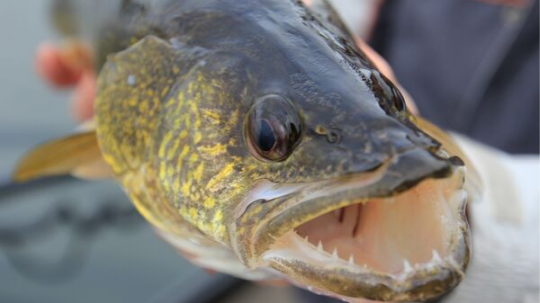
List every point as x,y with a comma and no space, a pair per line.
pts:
407,266
306,239
351,260
436,256
319,246
335,254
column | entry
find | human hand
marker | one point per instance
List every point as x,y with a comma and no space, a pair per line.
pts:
70,66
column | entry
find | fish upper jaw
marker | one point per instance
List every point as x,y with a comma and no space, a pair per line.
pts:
271,231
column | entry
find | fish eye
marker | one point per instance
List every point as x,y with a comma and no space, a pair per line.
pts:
273,128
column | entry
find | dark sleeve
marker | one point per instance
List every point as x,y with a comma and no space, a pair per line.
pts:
471,66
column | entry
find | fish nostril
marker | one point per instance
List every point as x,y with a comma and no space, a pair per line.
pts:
333,136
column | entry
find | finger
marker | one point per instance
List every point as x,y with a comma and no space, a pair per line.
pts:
77,55
52,68
84,96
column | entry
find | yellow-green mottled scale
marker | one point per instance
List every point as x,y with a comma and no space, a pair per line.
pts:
165,129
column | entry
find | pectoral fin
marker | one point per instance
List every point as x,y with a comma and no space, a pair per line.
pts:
78,155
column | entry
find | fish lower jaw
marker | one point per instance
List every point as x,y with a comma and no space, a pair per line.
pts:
299,248
410,247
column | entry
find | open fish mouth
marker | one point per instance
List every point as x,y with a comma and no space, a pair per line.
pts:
379,235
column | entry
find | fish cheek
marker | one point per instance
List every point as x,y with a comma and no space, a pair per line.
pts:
131,89
201,154
149,125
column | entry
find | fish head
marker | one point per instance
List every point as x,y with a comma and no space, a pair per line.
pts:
312,168
372,210
349,197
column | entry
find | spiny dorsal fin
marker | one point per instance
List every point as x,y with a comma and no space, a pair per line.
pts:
77,155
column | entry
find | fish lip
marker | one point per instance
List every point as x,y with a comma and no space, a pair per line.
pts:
261,226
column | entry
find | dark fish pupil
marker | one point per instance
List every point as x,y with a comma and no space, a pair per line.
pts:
266,139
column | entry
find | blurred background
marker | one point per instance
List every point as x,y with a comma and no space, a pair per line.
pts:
66,240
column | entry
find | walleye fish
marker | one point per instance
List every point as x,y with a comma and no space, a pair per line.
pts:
260,141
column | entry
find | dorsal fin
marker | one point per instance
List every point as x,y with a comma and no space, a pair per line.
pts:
78,155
